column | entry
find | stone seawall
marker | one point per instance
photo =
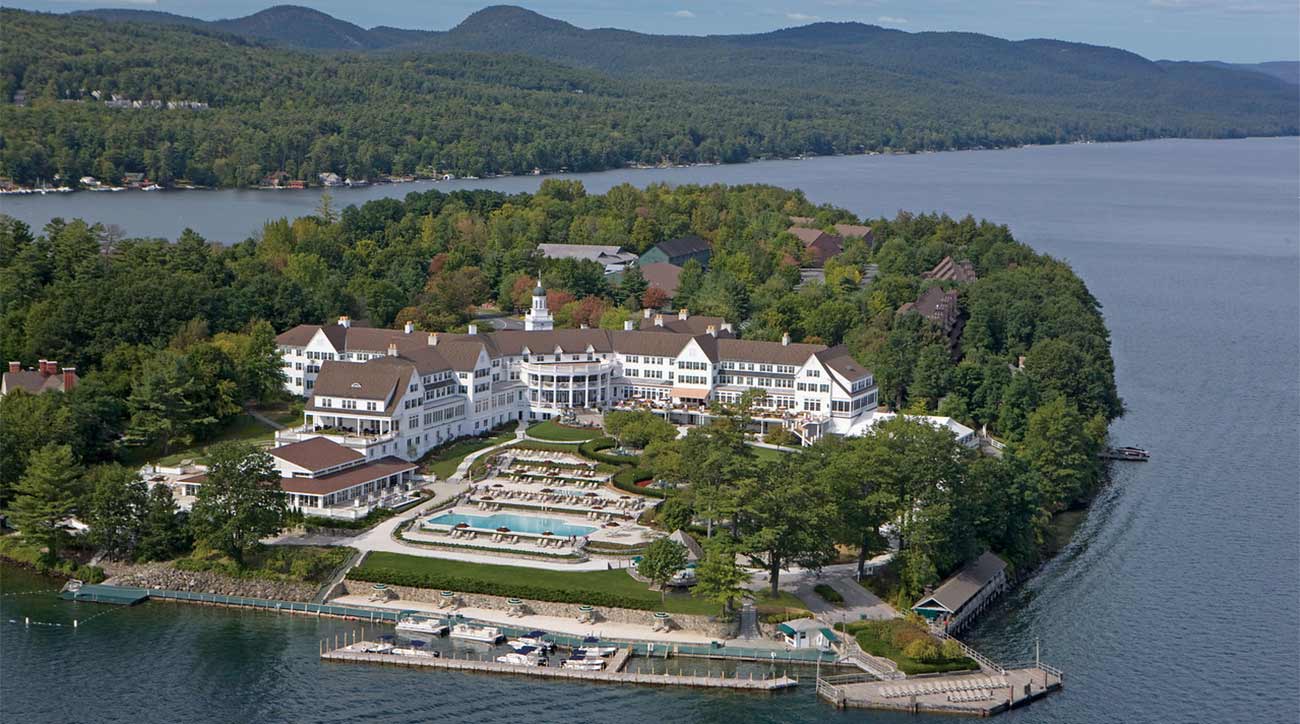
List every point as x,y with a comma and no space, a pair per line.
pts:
704,624
167,577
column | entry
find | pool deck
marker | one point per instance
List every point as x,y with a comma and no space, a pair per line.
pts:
355,653
556,624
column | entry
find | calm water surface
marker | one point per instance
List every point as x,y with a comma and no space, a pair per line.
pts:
1177,601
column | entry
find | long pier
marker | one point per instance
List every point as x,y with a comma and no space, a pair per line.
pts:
354,653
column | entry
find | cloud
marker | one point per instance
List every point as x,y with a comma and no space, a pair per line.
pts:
891,20
115,2
683,14
802,17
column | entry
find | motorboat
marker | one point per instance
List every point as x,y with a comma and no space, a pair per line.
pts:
420,624
383,646
1136,454
591,646
526,656
532,638
416,648
584,663
482,634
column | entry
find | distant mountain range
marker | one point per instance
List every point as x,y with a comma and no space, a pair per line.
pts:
849,46
292,93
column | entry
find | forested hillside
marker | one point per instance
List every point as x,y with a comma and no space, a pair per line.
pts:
509,91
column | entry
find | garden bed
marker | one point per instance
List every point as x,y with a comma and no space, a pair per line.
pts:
898,640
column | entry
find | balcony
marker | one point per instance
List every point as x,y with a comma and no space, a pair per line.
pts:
345,436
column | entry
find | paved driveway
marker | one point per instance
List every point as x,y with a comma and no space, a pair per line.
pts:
859,603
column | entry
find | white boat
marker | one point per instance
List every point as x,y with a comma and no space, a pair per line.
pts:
415,651
532,638
526,656
428,626
378,648
584,664
152,187
470,632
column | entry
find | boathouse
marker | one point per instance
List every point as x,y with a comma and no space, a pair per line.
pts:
806,633
965,593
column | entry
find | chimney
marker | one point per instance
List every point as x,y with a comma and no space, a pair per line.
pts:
711,330
584,325
785,339
645,313
345,321
1020,361
682,314
408,327
472,329
41,367
433,339
392,349
15,367
659,320
726,326
628,326
69,378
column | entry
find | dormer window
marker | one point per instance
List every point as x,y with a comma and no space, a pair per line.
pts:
356,385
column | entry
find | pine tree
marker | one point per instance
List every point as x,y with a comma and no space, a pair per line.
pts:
46,496
718,577
633,286
164,533
240,502
118,506
160,404
260,364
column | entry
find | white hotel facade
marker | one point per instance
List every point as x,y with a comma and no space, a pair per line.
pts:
400,393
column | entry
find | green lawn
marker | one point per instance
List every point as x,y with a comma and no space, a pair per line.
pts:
882,638
601,588
552,430
443,461
241,428
288,414
765,454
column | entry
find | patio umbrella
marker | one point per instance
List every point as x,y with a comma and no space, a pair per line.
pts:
548,533
591,495
462,525
497,485
486,497
503,529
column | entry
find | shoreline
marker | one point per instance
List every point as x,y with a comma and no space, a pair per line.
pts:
24,191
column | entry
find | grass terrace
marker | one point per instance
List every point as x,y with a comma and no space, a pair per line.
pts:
614,588
552,430
240,428
443,461
900,640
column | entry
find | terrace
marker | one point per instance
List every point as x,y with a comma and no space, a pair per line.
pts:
539,499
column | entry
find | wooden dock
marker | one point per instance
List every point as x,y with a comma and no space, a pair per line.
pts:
973,694
355,654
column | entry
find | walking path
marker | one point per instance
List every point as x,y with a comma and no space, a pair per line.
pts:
264,419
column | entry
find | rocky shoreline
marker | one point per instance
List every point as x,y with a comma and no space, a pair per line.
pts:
162,575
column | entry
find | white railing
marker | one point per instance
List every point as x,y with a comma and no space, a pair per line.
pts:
986,664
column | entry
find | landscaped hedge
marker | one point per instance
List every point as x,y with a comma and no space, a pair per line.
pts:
394,577
627,478
828,594
592,449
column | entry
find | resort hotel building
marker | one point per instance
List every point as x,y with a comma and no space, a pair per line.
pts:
401,393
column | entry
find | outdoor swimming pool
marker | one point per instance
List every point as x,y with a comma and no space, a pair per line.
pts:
516,523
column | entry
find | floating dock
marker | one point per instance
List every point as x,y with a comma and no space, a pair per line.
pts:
96,593
356,653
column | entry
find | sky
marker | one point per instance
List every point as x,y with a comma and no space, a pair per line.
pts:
1230,30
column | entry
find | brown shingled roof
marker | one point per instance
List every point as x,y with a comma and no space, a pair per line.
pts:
770,352
316,453
838,358
663,275
297,336
335,482
375,379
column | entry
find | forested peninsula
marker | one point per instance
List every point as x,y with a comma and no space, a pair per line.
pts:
290,95
173,339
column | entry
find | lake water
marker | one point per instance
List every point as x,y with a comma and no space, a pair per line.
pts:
1176,602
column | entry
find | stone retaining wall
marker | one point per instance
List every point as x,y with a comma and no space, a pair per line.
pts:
689,622
164,576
